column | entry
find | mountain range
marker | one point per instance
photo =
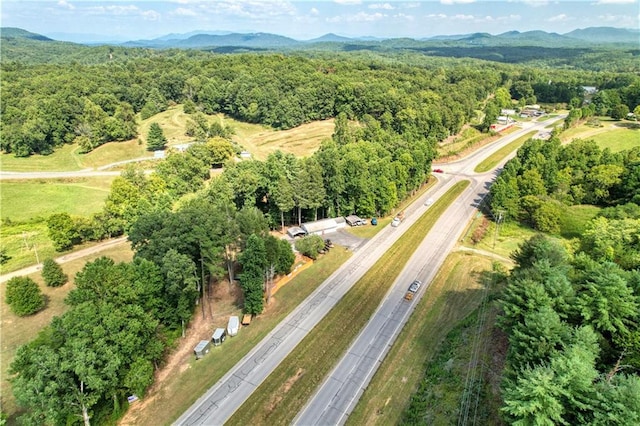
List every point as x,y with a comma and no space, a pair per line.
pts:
211,39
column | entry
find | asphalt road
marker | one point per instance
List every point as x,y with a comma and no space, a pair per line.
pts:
338,395
341,395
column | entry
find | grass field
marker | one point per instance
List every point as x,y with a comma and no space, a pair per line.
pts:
279,398
492,161
25,243
17,331
301,141
29,199
455,292
615,135
65,158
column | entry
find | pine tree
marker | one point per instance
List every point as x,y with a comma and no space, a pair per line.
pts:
156,139
52,273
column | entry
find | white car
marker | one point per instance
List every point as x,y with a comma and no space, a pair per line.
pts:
395,222
428,202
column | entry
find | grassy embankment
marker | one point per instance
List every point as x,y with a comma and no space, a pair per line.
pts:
17,331
456,292
492,161
279,398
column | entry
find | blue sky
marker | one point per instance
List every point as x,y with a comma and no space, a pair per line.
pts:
128,20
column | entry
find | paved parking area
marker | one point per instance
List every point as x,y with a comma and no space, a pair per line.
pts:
345,239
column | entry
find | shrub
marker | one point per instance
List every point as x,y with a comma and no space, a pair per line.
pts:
310,246
24,297
52,273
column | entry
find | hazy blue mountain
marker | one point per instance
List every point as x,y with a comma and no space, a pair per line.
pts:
606,35
334,38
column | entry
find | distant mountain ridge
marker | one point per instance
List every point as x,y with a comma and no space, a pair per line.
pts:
229,42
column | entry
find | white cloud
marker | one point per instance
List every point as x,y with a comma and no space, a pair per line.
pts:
150,15
536,3
559,18
182,11
606,2
457,1
436,16
348,1
461,17
255,9
385,6
358,17
66,5
314,11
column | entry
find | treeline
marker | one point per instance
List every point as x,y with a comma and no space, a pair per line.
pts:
573,323
366,168
545,176
45,106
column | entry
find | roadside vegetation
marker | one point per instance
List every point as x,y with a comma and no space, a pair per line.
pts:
279,398
494,159
454,294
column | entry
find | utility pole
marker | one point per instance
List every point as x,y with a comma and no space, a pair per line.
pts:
498,221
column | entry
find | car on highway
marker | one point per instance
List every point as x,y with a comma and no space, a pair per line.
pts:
428,202
395,222
438,171
413,289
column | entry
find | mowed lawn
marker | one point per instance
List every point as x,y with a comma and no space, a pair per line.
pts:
615,135
24,200
17,331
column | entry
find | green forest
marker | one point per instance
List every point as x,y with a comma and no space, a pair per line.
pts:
571,310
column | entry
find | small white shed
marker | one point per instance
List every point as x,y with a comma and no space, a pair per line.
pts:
233,326
219,336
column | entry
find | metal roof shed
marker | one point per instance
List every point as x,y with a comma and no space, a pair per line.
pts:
218,336
320,227
202,348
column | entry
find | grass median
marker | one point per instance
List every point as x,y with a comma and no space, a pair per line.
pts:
283,394
492,161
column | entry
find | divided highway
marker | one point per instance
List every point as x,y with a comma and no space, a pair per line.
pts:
339,394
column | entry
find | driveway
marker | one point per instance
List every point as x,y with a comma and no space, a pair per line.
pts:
346,239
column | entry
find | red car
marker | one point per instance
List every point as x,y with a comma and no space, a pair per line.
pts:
438,171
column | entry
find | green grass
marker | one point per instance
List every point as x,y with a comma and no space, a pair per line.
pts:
575,218
65,158
22,241
288,387
618,139
17,331
451,297
504,242
29,199
615,135
494,159
181,390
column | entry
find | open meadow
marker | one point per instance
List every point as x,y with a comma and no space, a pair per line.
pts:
607,133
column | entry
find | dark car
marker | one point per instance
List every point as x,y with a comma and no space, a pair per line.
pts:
374,221
438,171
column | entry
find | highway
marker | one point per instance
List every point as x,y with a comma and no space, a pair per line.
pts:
340,392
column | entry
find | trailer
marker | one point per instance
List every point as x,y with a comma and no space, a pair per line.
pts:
219,336
202,348
233,325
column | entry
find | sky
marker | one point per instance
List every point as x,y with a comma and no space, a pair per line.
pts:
123,20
